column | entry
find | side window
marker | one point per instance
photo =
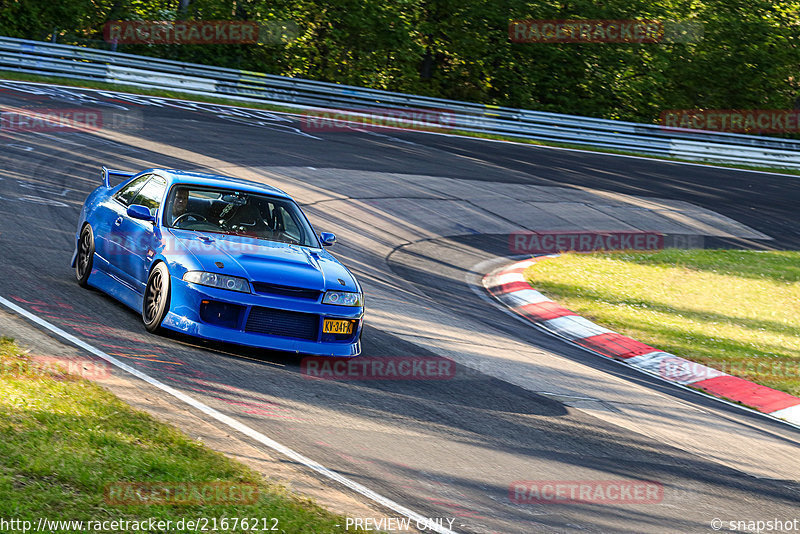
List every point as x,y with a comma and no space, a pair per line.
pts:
127,193
151,194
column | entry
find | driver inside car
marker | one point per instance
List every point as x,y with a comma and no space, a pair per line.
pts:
180,203
179,206
185,215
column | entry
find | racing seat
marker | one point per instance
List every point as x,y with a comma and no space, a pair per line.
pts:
249,216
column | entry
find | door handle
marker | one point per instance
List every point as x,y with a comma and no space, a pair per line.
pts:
118,221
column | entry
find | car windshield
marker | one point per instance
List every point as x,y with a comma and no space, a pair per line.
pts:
238,213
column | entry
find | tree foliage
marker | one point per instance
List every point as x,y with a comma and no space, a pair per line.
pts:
747,57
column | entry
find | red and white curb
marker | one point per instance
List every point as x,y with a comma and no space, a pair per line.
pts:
509,286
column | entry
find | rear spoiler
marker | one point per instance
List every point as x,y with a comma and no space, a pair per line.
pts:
108,172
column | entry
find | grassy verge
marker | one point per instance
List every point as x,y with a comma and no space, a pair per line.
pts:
10,75
65,441
737,311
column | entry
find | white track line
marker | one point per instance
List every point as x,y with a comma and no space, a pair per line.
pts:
229,421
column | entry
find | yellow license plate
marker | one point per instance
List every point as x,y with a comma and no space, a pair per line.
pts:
337,326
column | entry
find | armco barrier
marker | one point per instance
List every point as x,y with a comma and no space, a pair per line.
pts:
66,61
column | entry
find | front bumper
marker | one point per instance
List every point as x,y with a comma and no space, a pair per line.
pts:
187,300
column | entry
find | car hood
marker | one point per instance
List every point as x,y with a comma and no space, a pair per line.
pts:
270,262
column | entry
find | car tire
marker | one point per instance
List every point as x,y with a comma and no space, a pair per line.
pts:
84,261
155,303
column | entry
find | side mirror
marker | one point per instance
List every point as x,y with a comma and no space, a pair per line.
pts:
137,211
327,239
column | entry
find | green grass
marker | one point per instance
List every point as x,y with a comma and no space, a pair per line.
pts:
64,440
11,75
737,311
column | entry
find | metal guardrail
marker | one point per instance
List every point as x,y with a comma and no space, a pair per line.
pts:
66,61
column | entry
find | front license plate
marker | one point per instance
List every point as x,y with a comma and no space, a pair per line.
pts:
337,326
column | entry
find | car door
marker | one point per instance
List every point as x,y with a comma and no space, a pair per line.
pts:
142,238
105,218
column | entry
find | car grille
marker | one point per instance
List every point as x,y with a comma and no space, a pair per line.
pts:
286,291
283,323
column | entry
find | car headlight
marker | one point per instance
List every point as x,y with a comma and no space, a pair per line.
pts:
342,298
222,281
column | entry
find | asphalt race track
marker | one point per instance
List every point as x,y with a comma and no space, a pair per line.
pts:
415,214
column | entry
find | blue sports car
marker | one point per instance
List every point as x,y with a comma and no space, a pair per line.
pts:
218,258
